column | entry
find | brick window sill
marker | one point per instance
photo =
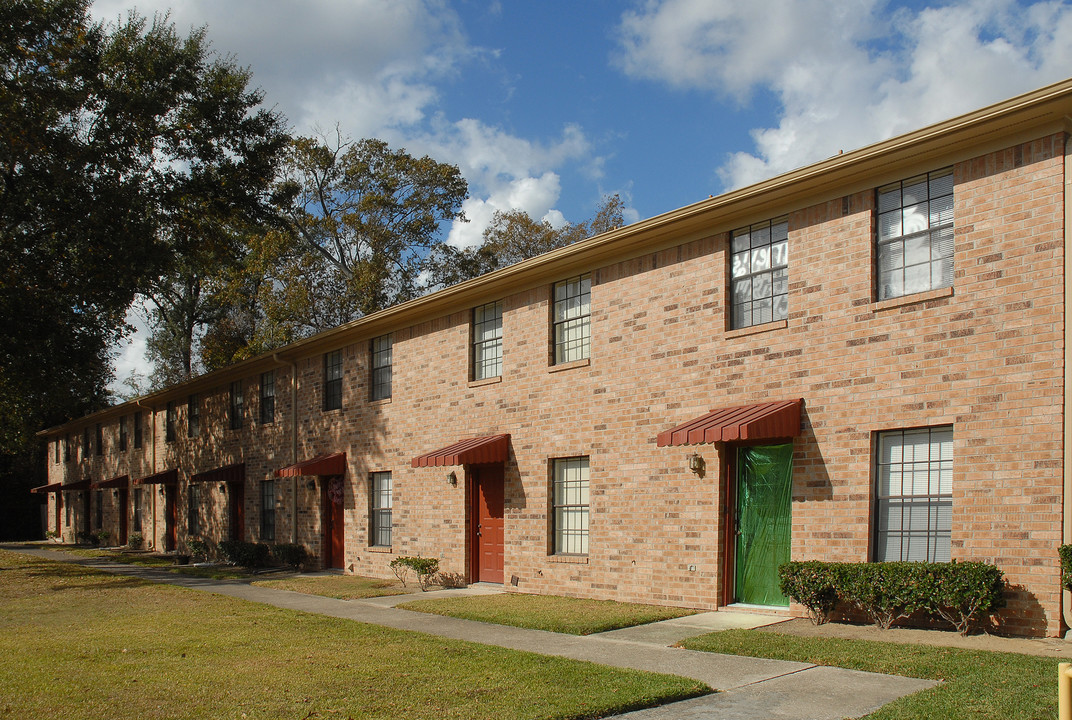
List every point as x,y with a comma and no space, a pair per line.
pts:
912,299
570,365
485,381
568,559
378,549
757,329
381,401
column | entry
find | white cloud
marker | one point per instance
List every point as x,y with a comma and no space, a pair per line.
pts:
839,84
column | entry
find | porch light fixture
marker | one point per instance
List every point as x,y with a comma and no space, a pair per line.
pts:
452,478
697,464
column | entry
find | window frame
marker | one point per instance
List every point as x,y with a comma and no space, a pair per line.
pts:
571,312
934,502
136,503
934,235
138,430
267,399
169,421
381,367
380,530
268,511
67,448
333,374
99,439
763,241
98,510
193,510
57,455
193,416
486,340
236,406
123,440
565,538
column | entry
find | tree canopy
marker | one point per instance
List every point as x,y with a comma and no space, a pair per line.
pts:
115,140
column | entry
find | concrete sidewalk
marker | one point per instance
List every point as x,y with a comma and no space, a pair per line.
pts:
749,687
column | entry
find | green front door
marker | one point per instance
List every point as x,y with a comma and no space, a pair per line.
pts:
764,522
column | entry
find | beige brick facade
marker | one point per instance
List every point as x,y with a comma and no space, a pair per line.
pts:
985,356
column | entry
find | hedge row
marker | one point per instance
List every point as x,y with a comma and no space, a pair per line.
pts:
956,592
255,555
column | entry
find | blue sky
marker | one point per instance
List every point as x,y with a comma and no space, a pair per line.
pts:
547,106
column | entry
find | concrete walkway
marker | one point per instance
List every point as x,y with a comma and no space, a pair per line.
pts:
749,687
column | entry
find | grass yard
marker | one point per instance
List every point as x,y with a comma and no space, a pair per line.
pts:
548,612
78,643
343,587
976,684
158,562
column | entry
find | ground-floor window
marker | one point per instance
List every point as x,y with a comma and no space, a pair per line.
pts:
67,508
99,499
137,510
268,511
570,506
380,508
914,494
193,510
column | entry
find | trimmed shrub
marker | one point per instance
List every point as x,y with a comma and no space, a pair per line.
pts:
1065,553
198,548
290,554
957,592
135,540
246,554
814,585
424,568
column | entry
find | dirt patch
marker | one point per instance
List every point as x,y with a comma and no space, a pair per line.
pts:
1052,647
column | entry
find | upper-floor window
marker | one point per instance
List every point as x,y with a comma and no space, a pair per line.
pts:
236,405
170,417
333,380
380,382
137,429
915,235
569,501
123,433
267,397
67,448
914,494
193,417
380,503
487,341
100,439
85,443
56,451
760,270
571,320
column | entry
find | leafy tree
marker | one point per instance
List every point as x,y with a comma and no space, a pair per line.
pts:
514,236
109,137
359,221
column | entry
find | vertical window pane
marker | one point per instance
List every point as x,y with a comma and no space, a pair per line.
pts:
268,511
237,405
760,273
572,319
487,341
570,506
381,364
380,503
268,397
914,495
915,235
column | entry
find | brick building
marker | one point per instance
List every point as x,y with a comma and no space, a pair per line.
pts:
862,359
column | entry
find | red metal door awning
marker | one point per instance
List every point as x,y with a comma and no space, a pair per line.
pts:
228,474
117,482
50,488
77,486
328,464
761,421
167,477
489,449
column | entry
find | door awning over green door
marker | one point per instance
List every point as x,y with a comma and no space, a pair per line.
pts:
761,421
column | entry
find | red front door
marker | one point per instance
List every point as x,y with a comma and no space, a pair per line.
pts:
331,496
487,522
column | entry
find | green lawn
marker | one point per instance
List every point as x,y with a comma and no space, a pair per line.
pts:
548,612
343,587
78,643
976,684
